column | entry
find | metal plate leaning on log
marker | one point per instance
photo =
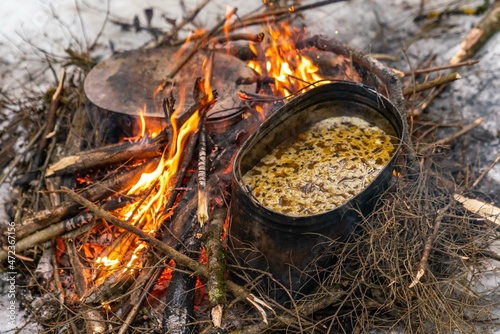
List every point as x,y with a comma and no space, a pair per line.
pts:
127,82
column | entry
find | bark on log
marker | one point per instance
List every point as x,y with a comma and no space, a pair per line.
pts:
116,183
106,156
216,253
59,228
179,311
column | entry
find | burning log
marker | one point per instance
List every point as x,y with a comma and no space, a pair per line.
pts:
256,38
116,183
178,313
57,229
108,156
179,310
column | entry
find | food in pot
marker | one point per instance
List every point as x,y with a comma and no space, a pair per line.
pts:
321,168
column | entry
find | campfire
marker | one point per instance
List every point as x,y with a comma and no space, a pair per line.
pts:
139,220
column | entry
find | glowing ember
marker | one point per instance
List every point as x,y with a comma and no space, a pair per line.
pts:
105,261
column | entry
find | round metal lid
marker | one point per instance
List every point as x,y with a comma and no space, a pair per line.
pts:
126,82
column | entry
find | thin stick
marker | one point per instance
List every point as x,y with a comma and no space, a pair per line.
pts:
202,178
94,323
18,158
51,122
490,254
432,83
55,200
422,267
277,13
456,135
256,38
195,49
483,174
135,309
216,253
57,276
442,67
202,152
166,39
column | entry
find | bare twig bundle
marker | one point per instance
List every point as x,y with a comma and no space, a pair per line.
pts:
410,265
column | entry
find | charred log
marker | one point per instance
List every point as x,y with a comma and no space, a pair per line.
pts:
178,314
116,183
108,156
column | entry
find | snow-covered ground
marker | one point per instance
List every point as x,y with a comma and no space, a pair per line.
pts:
32,28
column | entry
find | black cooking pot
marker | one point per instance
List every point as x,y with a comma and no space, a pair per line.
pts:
288,247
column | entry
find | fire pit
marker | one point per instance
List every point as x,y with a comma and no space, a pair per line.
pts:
285,244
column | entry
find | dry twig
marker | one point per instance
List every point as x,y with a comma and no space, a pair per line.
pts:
453,137
431,84
423,266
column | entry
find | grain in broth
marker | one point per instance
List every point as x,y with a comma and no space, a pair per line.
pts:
321,168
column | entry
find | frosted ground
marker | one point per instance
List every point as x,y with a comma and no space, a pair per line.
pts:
31,27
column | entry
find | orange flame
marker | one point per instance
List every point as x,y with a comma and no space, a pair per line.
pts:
292,72
227,23
151,212
161,177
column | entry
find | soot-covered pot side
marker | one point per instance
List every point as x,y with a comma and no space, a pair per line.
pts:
283,245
